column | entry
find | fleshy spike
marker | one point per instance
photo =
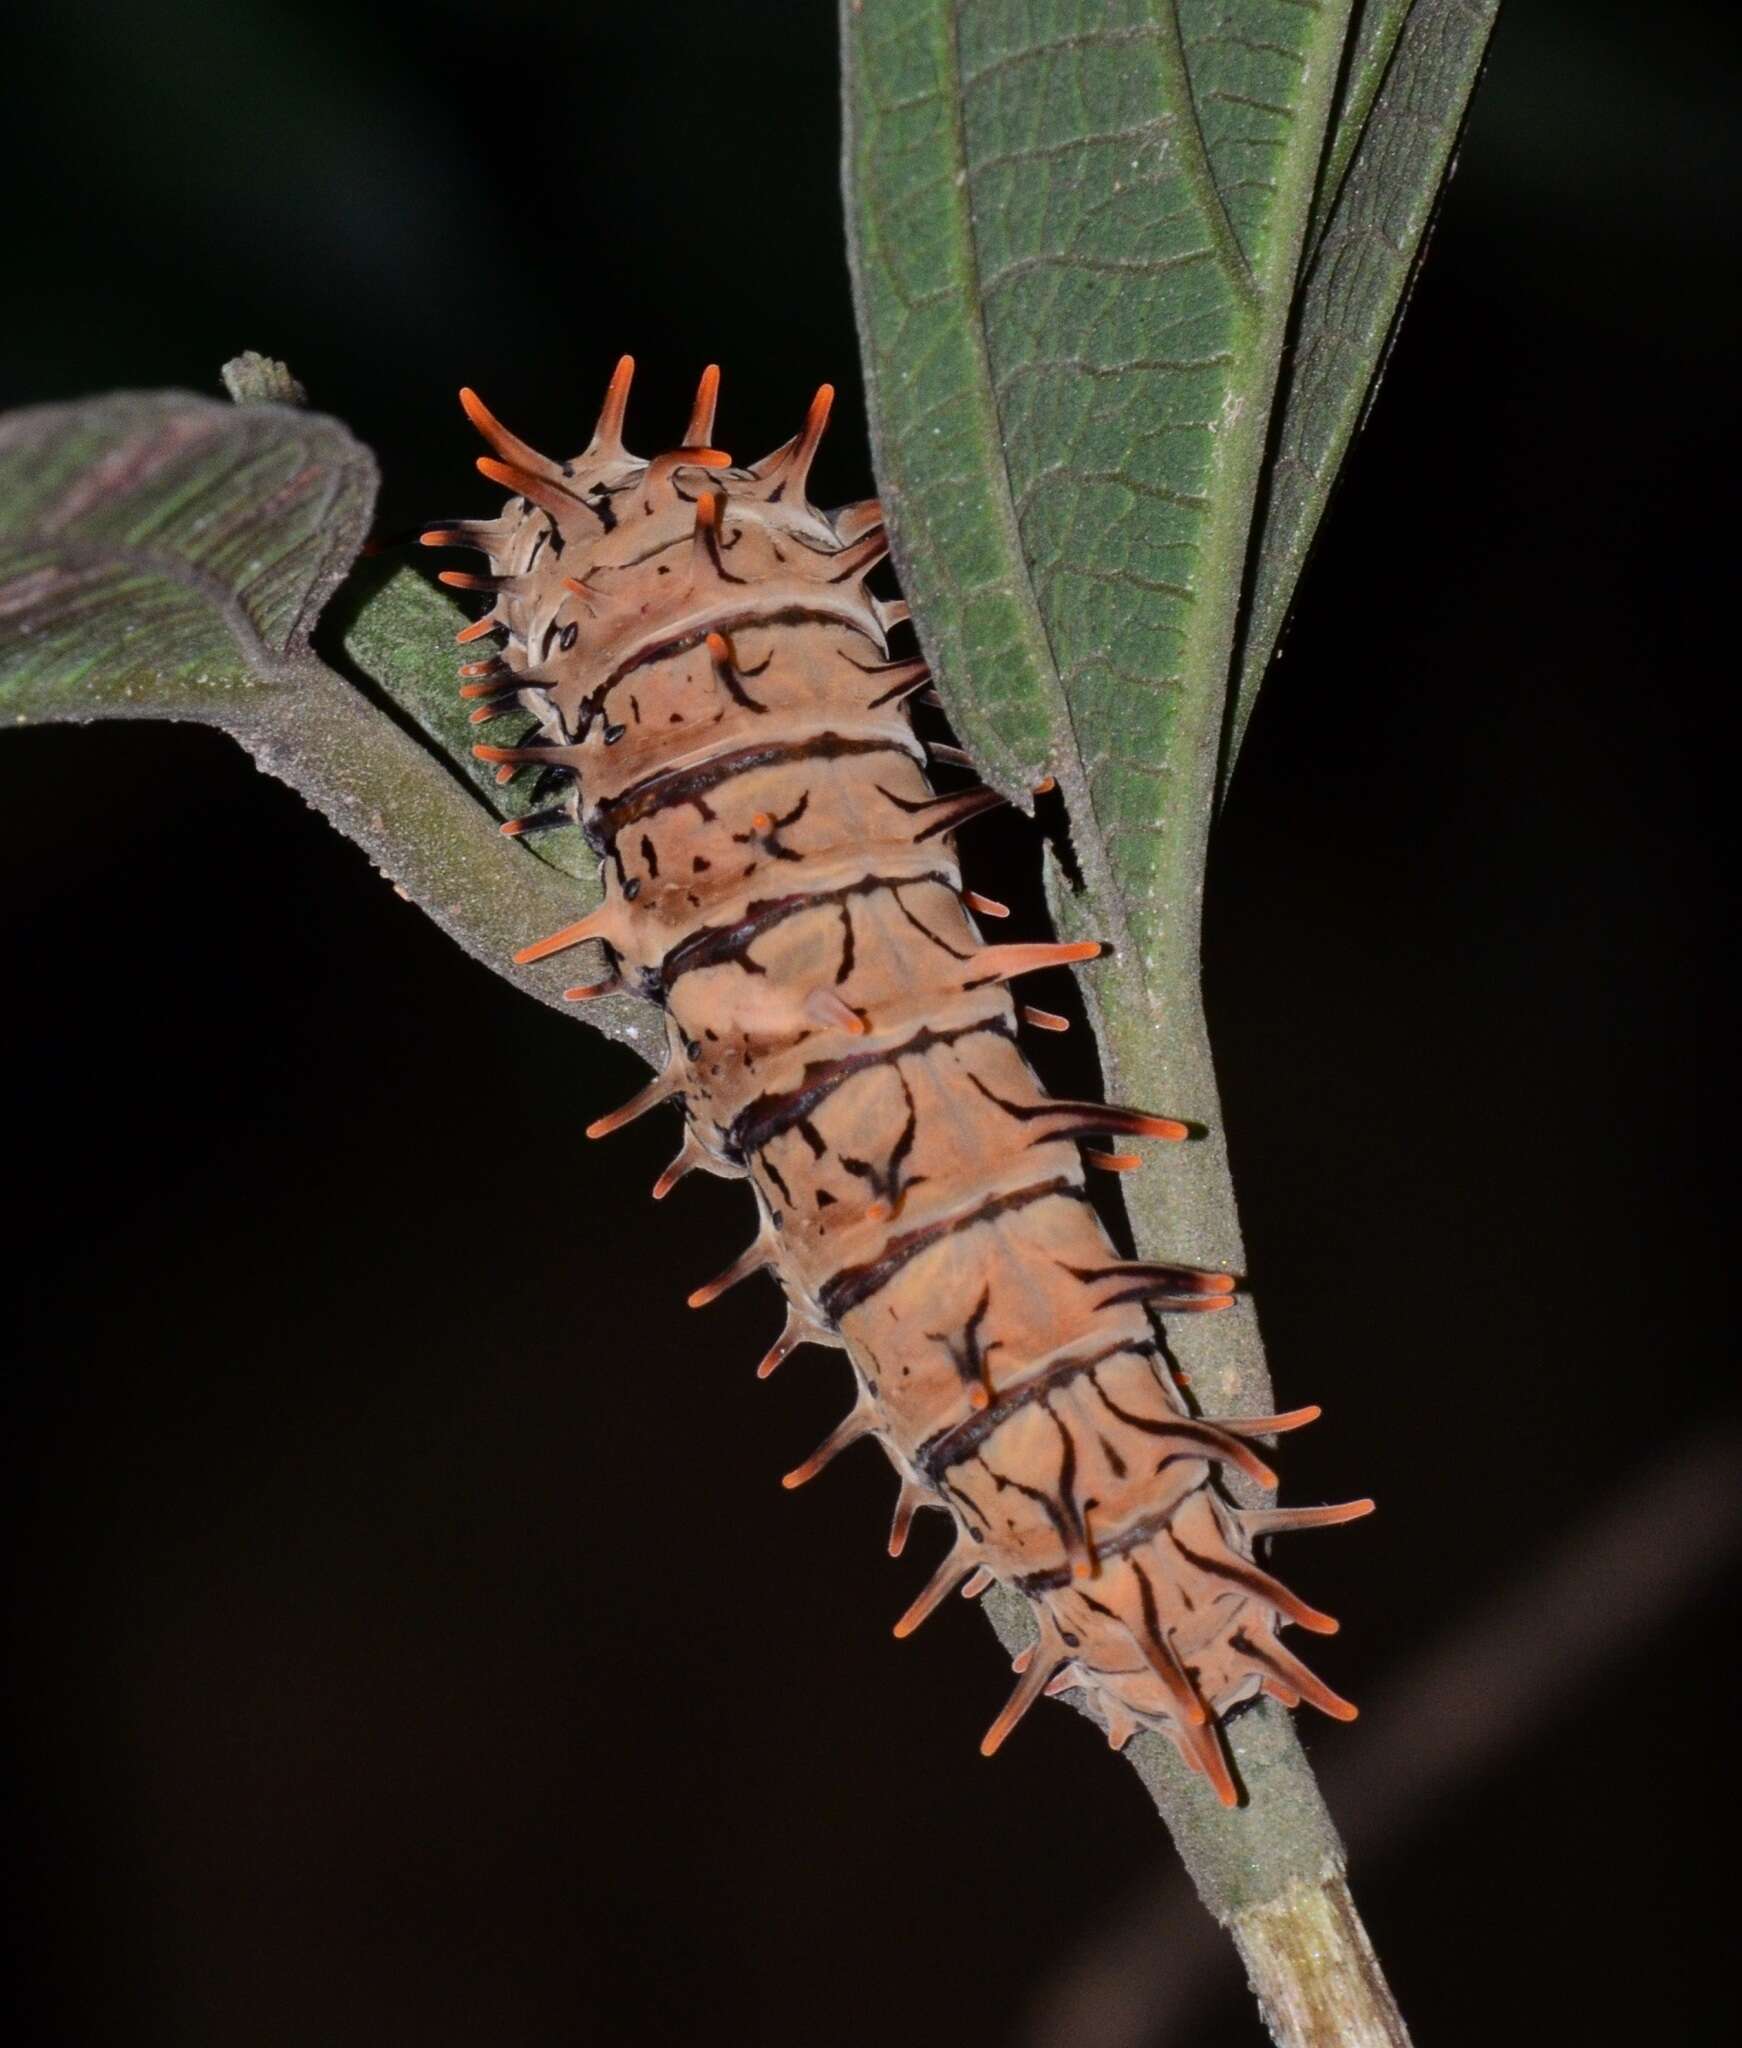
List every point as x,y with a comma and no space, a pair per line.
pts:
608,434
1203,1746
1044,1020
1268,1425
816,422
590,927
755,1256
860,557
1005,963
588,991
1308,1684
798,1329
517,757
660,1089
853,520
1282,1521
509,446
1113,1162
674,459
901,679
1164,1660
860,1421
1110,1119
463,533
955,1567
785,473
987,906
936,815
477,629
700,429
548,495
908,1502
1037,1672
1145,1280
690,1155
1313,1619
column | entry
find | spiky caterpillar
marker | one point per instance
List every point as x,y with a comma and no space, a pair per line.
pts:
705,662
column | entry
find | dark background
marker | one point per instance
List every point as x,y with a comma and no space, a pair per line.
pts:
408,1639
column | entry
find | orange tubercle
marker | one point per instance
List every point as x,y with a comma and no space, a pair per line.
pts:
541,949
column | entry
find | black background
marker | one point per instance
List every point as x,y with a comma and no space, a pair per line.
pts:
408,1639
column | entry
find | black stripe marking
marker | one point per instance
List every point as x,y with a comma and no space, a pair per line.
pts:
853,1286
758,1124
1052,1509
951,1446
1132,1537
845,615
925,931
715,945
670,786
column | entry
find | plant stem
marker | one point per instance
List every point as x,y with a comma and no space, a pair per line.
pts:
1313,1970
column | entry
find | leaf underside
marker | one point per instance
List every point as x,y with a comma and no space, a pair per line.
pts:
165,555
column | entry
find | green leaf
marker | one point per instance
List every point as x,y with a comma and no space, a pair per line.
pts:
164,555
1075,228
1083,235
1410,89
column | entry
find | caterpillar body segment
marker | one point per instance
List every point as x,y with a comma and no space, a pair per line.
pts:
708,670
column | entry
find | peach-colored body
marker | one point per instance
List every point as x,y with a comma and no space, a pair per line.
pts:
704,655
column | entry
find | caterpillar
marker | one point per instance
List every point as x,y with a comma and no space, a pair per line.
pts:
716,699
